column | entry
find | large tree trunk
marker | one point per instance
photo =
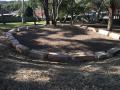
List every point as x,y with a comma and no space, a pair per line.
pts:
46,11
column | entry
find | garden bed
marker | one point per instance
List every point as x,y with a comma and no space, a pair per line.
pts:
65,39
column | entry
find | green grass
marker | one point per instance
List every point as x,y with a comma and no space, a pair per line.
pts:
17,24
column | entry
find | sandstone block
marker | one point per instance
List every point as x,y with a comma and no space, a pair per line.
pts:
12,31
37,54
84,56
22,49
114,51
57,57
103,32
2,47
92,29
101,55
21,28
114,36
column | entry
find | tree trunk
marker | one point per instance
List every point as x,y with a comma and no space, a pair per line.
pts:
54,21
22,16
72,2
3,17
110,20
46,11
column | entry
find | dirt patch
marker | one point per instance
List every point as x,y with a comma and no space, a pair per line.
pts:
16,73
19,73
68,39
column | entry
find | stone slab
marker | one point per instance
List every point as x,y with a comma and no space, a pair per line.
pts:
101,55
21,28
7,34
2,47
38,54
103,32
57,57
114,36
22,49
92,29
114,51
84,56
12,30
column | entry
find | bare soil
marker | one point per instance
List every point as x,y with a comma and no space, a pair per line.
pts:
66,38
18,73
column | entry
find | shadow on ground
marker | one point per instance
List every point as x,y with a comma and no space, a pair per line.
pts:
65,39
17,73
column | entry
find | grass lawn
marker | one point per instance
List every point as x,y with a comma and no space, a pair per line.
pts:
17,24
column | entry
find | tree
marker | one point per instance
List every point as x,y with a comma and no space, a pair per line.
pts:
29,12
46,11
56,4
110,20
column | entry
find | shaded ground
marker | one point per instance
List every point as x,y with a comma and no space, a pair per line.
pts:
66,38
18,73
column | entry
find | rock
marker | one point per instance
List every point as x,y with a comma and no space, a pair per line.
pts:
32,27
14,42
103,32
114,51
92,29
57,57
11,37
7,34
3,50
114,36
22,49
21,28
84,56
12,31
37,54
27,27
101,55
82,26
2,47
3,38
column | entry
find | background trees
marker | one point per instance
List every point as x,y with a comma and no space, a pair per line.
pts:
56,9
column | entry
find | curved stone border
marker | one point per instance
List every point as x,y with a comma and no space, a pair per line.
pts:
52,56
103,31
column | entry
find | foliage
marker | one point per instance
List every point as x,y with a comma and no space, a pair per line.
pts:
29,12
12,6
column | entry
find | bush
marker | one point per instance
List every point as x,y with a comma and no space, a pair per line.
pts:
29,12
10,18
